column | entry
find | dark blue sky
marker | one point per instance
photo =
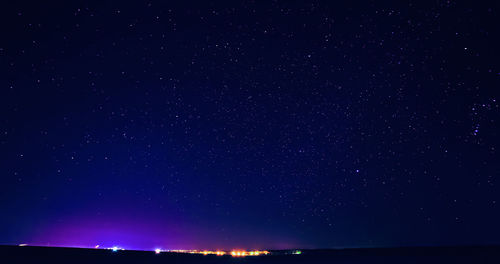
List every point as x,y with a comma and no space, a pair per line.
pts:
247,124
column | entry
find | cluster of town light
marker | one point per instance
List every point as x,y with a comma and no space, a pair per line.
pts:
234,253
250,253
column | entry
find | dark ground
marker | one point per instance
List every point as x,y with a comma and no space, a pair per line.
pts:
15,254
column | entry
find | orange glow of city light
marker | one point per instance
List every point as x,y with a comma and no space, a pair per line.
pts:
243,253
234,253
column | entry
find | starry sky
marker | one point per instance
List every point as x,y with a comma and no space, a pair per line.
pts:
250,124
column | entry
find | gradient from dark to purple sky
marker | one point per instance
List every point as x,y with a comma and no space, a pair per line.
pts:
249,124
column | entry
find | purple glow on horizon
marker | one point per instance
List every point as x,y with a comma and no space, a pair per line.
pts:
107,235
144,234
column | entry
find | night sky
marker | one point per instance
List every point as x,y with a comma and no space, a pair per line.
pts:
249,124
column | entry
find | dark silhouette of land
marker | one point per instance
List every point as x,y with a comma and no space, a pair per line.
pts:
427,255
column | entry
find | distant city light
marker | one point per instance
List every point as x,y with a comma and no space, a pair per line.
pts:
234,253
157,251
96,246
